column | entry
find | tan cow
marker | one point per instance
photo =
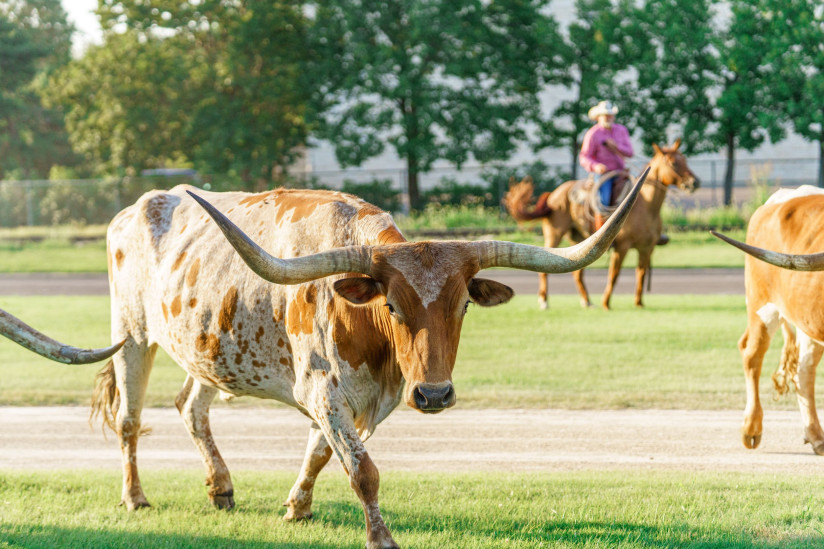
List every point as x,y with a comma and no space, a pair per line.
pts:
344,350
34,340
779,293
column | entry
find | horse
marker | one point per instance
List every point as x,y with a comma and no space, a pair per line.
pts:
562,213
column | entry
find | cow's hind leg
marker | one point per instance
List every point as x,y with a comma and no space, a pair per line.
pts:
318,452
131,368
193,403
809,355
753,346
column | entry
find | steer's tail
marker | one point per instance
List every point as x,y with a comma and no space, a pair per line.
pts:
517,201
788,364
106,397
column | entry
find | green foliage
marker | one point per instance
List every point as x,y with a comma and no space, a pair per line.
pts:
220,89
674,73
435,80
379,192
601,42
35,38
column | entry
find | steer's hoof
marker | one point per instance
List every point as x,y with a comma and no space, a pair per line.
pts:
818,447
223,501
134,505
751,441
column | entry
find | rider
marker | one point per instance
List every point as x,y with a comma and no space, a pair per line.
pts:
605,146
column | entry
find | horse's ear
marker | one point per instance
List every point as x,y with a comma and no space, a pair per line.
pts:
676,144
656,148
511,181
528,179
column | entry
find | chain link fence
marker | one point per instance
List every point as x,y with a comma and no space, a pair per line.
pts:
96,201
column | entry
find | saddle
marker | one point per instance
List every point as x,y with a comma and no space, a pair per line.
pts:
585,193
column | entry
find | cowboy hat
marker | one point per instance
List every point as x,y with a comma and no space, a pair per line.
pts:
604,107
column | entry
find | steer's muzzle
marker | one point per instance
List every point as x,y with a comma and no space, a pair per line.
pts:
431,398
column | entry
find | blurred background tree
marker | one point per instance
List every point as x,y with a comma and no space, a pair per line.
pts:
216,85
600,44
444,79
35,40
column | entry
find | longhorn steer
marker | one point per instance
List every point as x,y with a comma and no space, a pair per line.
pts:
783,233
343,350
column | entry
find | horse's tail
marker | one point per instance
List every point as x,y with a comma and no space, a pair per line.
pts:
517,201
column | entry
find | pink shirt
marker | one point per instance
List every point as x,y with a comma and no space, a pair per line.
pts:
593,151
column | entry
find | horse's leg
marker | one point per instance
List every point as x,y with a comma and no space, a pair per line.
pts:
578,276
552,237
616,259
809,355
644,261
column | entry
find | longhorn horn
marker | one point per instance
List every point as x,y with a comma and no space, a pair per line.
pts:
351,259
23,334
494,253
793,262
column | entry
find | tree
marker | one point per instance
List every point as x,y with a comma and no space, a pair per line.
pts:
746,111
675,68
125,117
217,84
798,58
437,80
600,44
35,40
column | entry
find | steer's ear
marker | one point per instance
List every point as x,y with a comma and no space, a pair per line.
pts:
488,293
358,290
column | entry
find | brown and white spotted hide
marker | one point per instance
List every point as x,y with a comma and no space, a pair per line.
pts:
790,222
344,350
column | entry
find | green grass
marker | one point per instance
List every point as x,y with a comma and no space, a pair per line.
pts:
678,352
495,510
685,250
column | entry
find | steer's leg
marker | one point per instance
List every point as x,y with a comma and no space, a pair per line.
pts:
761,325
809,354
616,259
193,403
132,366
338,426
318,452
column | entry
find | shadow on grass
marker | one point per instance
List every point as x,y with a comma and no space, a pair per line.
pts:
35,537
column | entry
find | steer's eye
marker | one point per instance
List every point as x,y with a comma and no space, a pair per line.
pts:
390,308
466,306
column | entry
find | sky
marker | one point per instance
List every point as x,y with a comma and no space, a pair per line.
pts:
81,13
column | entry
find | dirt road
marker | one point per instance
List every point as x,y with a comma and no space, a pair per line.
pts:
664,281
456,440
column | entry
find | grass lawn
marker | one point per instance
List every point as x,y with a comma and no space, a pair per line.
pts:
678,352
504,510
685,250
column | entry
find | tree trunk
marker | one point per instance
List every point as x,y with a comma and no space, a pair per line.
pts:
728,176
412,181
821,158
574,166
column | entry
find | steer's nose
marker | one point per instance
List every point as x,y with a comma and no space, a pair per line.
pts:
434,397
